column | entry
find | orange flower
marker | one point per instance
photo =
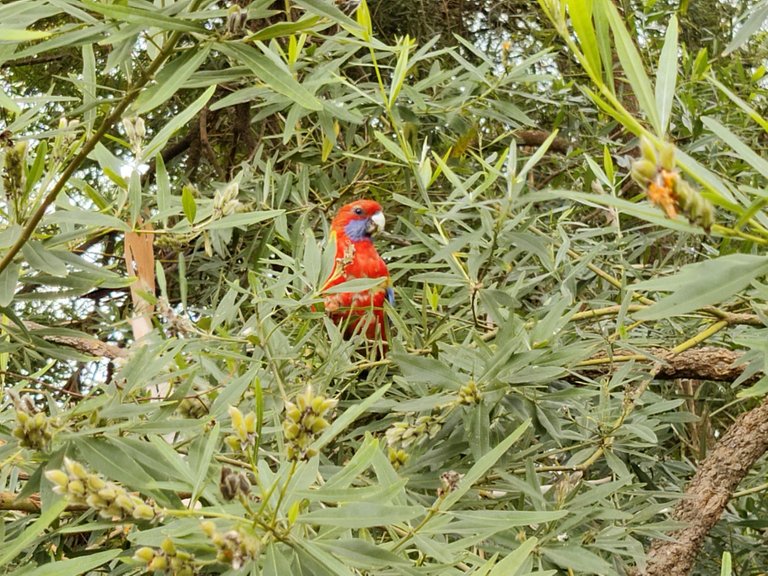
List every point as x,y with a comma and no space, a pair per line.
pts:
661,192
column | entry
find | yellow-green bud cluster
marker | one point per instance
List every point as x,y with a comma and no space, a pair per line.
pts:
469,394
33,430
405,433
244,427
304,421
233,547
168,559
135,130
67,134
225,201
14,173
397,457
110,499
655,171
697,209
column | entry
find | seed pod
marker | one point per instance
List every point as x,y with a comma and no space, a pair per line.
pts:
143,512
144,554
96,501
108,493
168,547
250,423
291,430
75,469
57,477
319,425
95,483
158,563
667,156
647,150
208,528
124,502
76,488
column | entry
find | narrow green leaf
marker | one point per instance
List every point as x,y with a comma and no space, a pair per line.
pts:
742,150
275,563
16,35
702,284
188,204
36,170
513,561
391,146
482,466
205,461
754,21
401,69
751,112
170,79
147,18
163,187
580,12
632,64
363,554
578,559
666,75
41,259
134,197
243,219
8,103
9,279
32,532
427,370
89,87
183,280
363,16
178,122
350,415
274,77
759,388
86,218
281,29
329,10
75,566
361,515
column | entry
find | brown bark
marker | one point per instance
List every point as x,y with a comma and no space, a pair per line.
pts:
705,363
537,138
8,501
90,346
709,491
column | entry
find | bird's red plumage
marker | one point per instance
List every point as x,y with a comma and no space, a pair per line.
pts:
356,257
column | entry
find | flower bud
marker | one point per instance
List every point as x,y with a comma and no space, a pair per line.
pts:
144,554
57,477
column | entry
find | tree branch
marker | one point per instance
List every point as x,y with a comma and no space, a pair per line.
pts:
709,491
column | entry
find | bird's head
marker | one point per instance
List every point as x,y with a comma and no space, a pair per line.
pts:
359,220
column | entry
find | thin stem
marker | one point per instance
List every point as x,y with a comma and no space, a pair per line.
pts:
131,94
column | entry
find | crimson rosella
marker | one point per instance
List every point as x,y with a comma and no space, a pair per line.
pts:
356,257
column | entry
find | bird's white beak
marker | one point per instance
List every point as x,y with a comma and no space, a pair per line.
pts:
376,223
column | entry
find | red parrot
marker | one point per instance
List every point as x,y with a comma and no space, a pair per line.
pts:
356,257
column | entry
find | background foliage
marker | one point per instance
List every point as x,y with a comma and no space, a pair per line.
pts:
516,426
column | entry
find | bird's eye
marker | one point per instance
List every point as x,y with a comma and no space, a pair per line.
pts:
357,210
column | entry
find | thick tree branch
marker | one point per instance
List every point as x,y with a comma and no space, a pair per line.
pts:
704,363
87,345
709,491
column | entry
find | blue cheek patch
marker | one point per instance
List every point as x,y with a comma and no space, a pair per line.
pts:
355,230
391,295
